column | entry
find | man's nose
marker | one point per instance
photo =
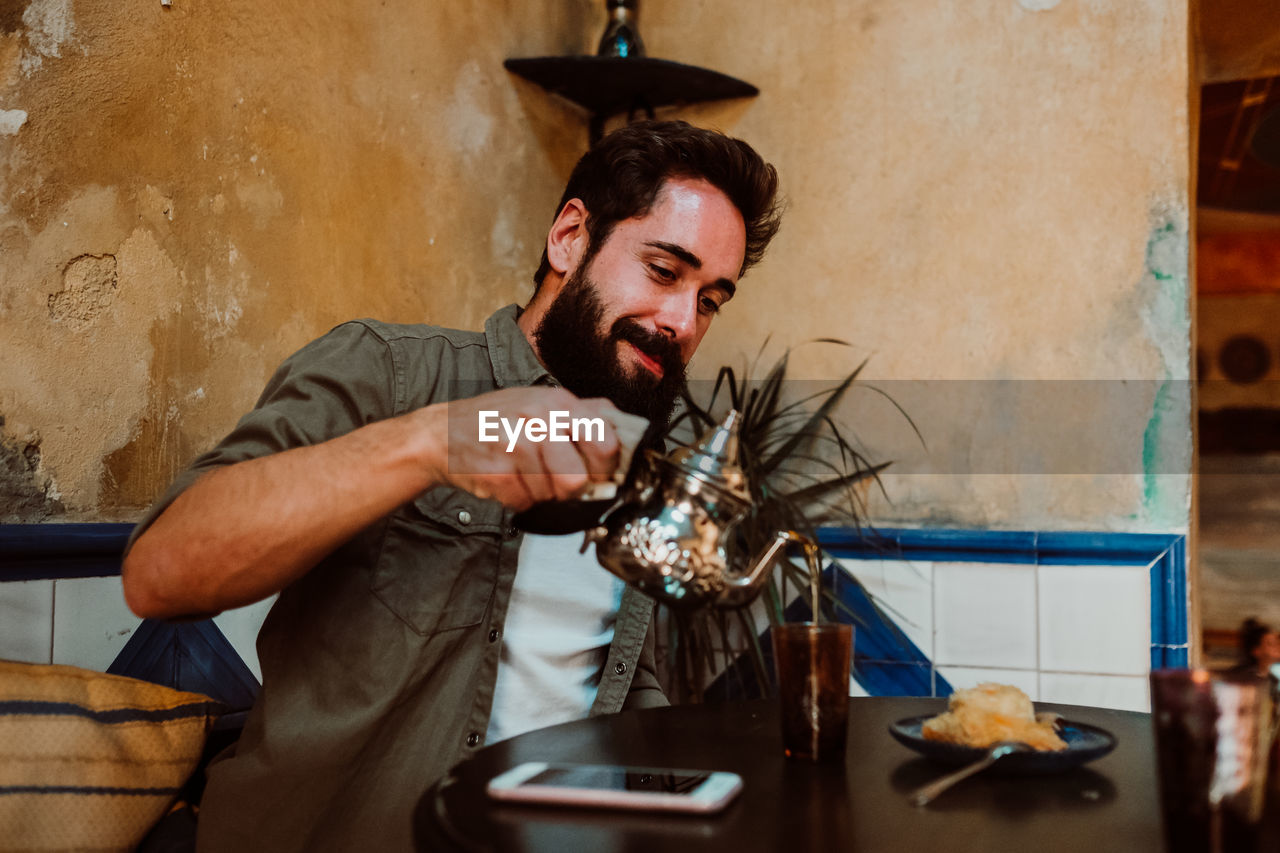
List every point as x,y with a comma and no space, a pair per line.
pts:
678,317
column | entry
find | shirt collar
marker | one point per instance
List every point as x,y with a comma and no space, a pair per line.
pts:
512,358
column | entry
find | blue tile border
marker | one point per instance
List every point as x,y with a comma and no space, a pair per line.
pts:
1166,554
192,656
55,551
984,546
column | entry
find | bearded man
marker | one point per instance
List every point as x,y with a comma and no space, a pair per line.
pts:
414,622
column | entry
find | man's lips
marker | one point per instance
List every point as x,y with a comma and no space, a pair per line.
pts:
647,361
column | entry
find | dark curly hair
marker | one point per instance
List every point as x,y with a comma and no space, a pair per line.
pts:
621,175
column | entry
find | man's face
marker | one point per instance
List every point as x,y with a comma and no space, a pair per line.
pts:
625,324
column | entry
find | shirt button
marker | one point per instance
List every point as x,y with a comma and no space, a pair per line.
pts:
512,532
473,739
464,517
493,635
620,667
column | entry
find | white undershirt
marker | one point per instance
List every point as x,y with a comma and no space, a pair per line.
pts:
556,638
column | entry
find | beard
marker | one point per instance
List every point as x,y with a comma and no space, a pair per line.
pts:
585,359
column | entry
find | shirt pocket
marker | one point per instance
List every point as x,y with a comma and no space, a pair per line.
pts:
439,560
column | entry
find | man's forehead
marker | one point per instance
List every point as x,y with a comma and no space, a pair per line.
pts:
686,191
698,220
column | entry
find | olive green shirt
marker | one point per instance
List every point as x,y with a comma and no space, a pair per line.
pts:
378,666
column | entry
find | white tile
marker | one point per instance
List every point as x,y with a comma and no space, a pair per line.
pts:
1125,692
1095,619
856,689
26,621
984,615
240,626
903,590
960,677
91,622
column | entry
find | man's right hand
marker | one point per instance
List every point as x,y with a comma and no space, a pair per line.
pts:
521,472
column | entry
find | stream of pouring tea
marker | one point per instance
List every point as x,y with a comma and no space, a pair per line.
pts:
815,578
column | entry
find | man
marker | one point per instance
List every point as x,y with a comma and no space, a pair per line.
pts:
359,489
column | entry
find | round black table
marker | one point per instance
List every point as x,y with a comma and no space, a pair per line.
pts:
792,806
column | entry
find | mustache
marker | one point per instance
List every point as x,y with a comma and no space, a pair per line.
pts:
656,345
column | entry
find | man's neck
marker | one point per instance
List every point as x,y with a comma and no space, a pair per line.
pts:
530,316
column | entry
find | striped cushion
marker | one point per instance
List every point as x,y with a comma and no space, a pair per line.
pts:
90,761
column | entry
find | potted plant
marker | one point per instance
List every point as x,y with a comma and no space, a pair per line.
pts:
802,472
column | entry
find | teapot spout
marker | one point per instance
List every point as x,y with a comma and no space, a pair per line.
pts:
742,590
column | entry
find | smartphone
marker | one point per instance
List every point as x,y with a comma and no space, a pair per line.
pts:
614,786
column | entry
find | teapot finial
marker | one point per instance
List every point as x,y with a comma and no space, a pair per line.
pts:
714,457
721,441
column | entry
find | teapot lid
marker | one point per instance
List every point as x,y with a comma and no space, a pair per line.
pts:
713,458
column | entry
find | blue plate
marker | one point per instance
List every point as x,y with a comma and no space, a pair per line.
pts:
1084,744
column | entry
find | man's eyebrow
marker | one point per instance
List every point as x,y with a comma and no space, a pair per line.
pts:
679,251
692,260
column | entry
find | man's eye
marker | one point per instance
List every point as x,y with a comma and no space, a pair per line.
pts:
662,272
709,305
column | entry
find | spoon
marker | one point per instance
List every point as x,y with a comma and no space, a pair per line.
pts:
995,753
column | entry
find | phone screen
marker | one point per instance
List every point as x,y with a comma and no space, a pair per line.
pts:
604,778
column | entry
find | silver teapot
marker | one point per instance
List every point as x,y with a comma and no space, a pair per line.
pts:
668,531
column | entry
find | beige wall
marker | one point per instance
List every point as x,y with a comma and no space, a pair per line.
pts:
983,191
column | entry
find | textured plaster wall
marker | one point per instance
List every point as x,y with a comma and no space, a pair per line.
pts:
189,193
982,191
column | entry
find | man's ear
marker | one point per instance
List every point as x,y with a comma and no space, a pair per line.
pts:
567,239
